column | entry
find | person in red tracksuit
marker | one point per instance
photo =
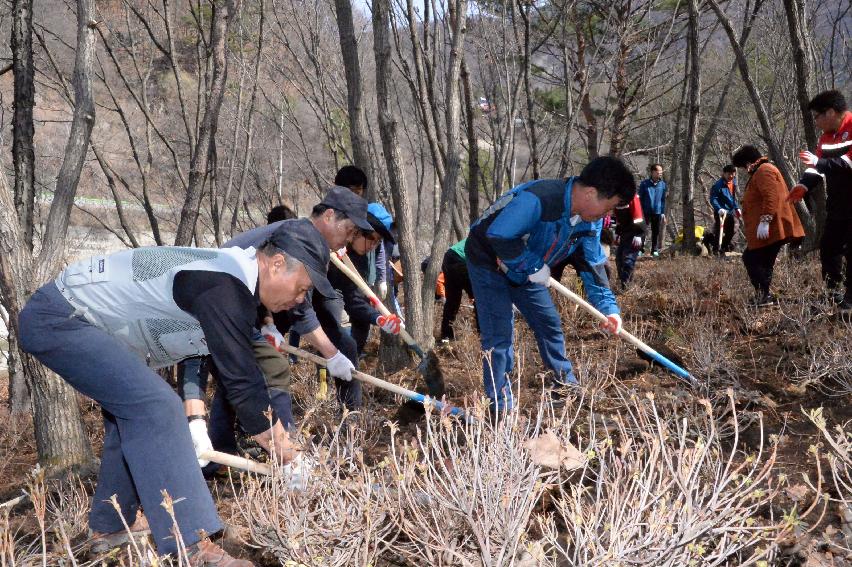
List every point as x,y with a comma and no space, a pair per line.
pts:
833,159
630,229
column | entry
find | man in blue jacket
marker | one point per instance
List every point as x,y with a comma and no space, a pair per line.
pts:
723,199
652,195
510,251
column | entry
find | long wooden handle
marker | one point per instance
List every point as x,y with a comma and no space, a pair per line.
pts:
635,341
235,462
356,278
378,382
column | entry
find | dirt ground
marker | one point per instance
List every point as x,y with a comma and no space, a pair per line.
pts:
779,363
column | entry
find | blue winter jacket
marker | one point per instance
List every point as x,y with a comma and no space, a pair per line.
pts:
721,198
531,226
653,197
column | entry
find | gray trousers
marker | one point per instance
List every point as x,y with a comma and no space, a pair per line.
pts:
147,446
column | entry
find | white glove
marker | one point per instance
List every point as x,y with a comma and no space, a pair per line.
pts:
722,212
383,289
200,439
763,230
637,242
542,276
298,471
340,367
808,158
613,324
663,218
271,331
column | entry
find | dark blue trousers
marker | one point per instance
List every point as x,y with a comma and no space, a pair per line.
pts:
495,297
147,446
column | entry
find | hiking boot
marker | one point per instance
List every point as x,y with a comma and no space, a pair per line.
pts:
100,543
205,553
558,390
764,300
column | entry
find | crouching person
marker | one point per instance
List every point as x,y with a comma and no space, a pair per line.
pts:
511,250
105,323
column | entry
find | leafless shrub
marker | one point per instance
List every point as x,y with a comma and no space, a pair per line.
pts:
656,492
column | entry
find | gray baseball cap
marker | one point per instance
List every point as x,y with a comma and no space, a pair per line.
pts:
300,239
354,207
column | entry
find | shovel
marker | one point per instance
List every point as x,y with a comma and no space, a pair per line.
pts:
378,382
722,218
428,367
677,370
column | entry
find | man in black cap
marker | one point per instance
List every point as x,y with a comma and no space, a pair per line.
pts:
106,322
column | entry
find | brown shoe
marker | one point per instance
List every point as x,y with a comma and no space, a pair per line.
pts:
100,543
205,553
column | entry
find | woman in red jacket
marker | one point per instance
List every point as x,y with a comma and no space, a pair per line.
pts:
769,220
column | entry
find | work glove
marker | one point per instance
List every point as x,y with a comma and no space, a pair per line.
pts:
663,218
389,323
613,324
542,276
383,289
200,439
340,367
808,158
722,212
763,230
738,213
271,334
637,243
797,193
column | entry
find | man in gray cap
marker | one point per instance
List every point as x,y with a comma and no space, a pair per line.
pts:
333,223
106,322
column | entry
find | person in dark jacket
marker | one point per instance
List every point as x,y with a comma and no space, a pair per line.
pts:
456,281
833,159
652,195
510,251
723,200
630,229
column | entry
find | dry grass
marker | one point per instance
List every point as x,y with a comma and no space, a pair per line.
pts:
733,473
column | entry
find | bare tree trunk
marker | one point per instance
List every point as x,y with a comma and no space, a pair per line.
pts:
22,122
405,220
223,11
19,393
800,43
60,437
523,10
694,106
582,77
472,147
354,92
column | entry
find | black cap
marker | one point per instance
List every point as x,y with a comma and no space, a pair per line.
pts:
354,207
300,239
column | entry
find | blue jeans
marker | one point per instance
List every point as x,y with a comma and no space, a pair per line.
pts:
495,297
625,259
147,446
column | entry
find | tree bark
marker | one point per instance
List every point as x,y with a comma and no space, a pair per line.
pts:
694,107
60,437
472,147
23,131
799,42
354,93
523,10
202,153
405,220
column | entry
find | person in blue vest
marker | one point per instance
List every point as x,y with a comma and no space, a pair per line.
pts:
510,251
652,196
723,199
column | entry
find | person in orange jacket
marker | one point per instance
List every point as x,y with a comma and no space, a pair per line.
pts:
769,220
